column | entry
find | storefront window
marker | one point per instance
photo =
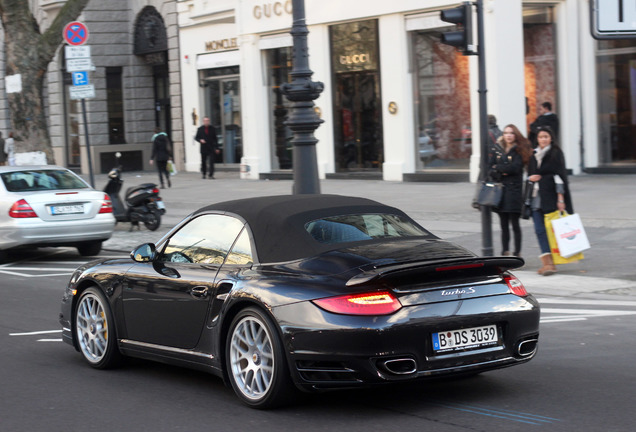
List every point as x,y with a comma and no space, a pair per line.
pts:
540,66
357,118
223,107
442,99
279,64
616,72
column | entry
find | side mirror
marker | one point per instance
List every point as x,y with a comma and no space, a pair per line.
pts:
144,253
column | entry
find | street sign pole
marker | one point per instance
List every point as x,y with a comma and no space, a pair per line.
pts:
486,211
78,63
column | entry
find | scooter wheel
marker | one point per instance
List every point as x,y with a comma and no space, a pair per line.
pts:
152,220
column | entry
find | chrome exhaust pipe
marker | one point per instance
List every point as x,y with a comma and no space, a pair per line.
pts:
527,347
400,366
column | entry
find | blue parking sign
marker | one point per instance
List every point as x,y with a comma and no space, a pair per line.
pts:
80,78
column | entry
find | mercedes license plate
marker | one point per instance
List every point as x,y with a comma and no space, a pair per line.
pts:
465,339
67,209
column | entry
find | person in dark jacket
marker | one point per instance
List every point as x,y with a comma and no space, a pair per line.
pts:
551,191
546,118
162,153
206,135
507,161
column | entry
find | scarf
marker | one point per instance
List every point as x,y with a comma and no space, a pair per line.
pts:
539,154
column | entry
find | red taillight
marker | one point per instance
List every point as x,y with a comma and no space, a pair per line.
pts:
376,303
155,191
515,285
21,209
107,205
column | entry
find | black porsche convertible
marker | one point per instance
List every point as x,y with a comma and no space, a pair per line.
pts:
309,292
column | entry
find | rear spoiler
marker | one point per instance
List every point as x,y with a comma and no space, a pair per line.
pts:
501,263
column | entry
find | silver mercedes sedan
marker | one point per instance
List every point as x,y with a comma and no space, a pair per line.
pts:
52,206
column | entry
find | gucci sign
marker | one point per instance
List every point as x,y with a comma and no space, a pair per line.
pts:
267,10
354,59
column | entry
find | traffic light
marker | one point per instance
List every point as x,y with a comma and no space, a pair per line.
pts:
462,38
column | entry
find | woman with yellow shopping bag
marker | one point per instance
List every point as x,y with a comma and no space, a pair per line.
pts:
551,192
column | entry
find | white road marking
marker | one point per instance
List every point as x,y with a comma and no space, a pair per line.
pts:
586,302
41,332
563,315
35,333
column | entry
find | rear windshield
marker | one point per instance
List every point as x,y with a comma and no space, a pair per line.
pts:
360,227
38,180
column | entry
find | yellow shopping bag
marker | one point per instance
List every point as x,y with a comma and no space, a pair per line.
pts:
554,248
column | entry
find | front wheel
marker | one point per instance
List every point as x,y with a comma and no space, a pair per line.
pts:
95,330
152,220
256,362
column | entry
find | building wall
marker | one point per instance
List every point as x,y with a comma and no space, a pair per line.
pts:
111,27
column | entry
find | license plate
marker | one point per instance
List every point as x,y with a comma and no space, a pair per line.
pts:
465,339
67,209
160,205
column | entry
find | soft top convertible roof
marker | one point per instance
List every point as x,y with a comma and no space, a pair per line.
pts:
278,222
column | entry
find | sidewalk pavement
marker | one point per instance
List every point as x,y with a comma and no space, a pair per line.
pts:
606,204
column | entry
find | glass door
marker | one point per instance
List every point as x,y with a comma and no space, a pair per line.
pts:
358,122
224,111
231,131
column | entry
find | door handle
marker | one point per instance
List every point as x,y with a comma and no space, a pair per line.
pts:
199,291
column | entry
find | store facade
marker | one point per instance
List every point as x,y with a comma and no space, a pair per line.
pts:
398,104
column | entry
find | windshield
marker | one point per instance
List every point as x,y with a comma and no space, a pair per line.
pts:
38,180
360,227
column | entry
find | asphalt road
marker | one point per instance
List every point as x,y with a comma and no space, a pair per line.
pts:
581,380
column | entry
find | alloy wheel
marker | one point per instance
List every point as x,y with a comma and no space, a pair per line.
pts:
92,327
252,360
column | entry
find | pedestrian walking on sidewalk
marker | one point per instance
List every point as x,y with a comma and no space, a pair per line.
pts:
508,159
161,153
551,191
206,135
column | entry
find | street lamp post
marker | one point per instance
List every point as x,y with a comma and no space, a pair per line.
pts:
303,120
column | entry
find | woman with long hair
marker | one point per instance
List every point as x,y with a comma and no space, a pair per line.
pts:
508,158
551,191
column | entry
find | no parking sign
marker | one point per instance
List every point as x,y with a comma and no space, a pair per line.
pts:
75,33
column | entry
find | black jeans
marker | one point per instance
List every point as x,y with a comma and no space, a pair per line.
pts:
162,168
507,219
207,164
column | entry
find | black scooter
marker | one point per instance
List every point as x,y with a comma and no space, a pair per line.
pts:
143,203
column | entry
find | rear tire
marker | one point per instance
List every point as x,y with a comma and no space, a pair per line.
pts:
90,248
255,361
95,330
152,220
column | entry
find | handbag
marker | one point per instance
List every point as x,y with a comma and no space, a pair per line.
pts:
526,206
171,168
570,235
490,194
549,218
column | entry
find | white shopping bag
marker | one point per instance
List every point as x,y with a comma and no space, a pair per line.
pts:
570,235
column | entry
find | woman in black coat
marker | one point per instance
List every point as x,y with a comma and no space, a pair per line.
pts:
551,191
161,153
507,160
